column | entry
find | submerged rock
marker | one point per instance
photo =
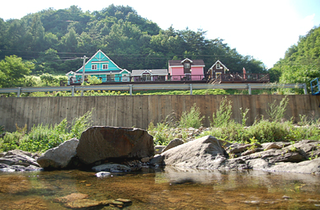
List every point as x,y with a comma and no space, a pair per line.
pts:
71,197
112,167
100,143
60,156
82,201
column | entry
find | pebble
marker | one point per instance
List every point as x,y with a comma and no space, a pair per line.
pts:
103,174
285,197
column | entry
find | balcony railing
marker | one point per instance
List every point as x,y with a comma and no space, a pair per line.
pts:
236,77
221,78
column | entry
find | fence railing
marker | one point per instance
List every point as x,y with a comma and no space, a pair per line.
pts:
131,87
236,77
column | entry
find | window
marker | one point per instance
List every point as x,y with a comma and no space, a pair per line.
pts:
105,66
94,67
146,77
187,67
218,66
110,77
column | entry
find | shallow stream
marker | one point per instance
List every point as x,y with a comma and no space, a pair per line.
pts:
167,188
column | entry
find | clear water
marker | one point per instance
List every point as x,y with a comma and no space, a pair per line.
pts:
167,188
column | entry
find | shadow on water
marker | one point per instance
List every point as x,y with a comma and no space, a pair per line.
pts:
168,188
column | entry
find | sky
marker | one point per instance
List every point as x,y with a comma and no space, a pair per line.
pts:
263,29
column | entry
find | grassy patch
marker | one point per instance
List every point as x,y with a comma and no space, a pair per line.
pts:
44,137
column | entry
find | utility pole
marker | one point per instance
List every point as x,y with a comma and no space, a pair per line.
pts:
83,67
83,71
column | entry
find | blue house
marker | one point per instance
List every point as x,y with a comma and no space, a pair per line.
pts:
101,66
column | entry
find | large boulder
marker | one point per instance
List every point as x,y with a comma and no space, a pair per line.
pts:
59,157
100,143
205,152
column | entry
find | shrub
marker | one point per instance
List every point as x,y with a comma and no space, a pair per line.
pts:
160,133
81,124
222,117
192,118
266,131
44,137
276,112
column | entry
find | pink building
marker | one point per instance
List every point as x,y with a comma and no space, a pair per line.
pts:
186,70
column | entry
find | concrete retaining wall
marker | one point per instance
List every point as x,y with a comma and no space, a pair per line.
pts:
139,111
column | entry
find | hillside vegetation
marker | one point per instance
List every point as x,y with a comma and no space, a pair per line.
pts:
55,39
301,62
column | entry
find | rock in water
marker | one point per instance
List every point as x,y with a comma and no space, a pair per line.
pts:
100,143
112,167
60,156
200,153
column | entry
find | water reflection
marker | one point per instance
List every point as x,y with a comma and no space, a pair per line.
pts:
166,188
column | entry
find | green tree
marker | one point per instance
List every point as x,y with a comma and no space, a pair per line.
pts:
38,33
48,79
48,62
13,71
70,41
301,63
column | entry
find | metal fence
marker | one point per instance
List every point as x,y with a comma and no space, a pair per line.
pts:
131,87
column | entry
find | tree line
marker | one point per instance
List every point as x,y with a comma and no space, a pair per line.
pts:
301,62
53,40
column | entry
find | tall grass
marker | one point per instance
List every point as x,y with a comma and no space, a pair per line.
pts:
191,118
165,131
222,117
275,128
44,137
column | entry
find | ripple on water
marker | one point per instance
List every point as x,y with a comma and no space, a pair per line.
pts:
152,190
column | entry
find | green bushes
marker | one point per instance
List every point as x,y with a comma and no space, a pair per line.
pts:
191,118
165,131
44,137
274,128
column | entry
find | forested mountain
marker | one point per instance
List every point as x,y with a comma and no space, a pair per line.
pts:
54,39
301,62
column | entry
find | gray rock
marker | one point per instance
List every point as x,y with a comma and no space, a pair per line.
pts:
158,149
306,167
145,159
18,157
60,156
157,160
203,153
100,143
17,160
173,143
274,145
103,174
112,167
237,148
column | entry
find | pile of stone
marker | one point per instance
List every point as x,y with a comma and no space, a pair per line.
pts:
211,153
17,160
107,150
